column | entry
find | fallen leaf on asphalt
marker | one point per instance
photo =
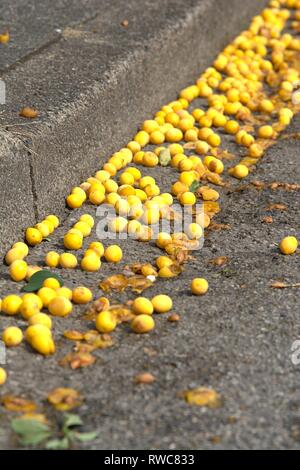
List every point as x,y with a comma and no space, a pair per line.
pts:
211,208
203,397
145,378
12,403
64,399
117,282
29,113
277,207
218,227
283,285
267,220
220,261
74,335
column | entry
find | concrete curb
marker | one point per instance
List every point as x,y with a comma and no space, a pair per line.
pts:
92,87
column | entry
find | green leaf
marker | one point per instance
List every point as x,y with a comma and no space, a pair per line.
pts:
165,157
86,436
195,186
35,438
71,420
58,444
36,281
31,431
28,426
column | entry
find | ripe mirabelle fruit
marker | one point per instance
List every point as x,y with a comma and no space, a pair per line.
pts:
82,295
60,306
12,336
142,324
240,172
13,255
199,286
113,254
88,219
142,306
22,248
91,263
64,292
98,248
53,219
106,322
3,376
288,246
33,236
52,283
11,304
162,303
187,199
30,307
18,270
194,231
52,259
68,261
84,228
73,241
30,296
46,295
41,319
39,337
74,201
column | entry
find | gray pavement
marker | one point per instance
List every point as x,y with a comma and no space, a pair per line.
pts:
92,83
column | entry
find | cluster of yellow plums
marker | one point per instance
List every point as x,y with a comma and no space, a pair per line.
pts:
235,104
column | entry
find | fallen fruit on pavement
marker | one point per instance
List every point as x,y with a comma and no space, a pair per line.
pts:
240,171
11,304
106,322
68,261
60,306
203,397
90,263
52,259
65,399
113,254
40,338
162,303
12,336
288,246
52,283
144,379
3,376
33,236
82,295
18,270
199,286
40,319
46,295
142,305
142,324
73,241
